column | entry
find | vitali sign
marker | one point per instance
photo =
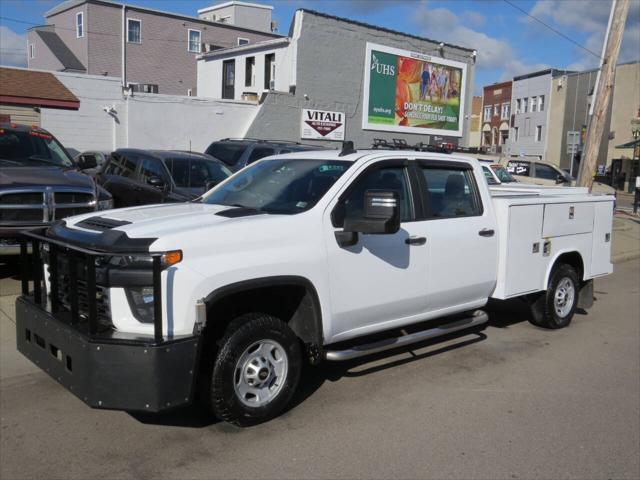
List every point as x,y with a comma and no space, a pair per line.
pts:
322,125
411,92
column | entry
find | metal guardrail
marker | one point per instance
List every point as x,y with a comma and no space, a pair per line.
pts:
34,268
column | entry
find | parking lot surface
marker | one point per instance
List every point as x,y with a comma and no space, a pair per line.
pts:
512,401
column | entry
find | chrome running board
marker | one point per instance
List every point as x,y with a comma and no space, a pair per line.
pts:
477,318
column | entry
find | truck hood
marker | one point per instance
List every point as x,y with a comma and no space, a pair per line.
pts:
42,175
168,219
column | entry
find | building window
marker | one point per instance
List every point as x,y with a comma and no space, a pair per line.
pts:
518,106
539,133
189,92
134,31
525,103
541,103
243,41
249,71
515,134
487,114
505,111
194,41
79,25
496,110
534,104
32,52
269,71
228,79
143,87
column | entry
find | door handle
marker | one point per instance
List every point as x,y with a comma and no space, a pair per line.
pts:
415,241
486,232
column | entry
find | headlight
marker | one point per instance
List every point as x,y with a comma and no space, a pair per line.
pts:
105,204
141,303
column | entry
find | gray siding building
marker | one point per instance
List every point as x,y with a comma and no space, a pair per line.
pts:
151,50
322,67
530,121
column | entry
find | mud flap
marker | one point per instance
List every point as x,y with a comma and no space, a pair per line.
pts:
585,299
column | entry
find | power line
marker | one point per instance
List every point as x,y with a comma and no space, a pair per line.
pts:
142,37
553,29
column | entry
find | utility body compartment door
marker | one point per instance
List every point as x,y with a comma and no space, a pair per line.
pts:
602,226
567,219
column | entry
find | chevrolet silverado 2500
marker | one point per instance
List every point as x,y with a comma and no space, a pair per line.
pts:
298,257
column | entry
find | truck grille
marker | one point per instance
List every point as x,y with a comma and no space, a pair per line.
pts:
43,205
65,287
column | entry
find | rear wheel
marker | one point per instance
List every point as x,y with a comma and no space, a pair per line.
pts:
256,370
555,307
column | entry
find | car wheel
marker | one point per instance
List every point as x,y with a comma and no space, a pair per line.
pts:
256,371
555,307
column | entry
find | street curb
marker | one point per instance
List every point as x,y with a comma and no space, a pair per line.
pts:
625,257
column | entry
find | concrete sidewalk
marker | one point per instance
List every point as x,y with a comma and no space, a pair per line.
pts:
626,237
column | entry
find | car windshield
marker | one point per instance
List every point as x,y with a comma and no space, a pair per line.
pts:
491,180
229,153
503,175
279,186
31,147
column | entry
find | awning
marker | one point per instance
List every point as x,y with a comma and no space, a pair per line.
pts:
35,89
631,144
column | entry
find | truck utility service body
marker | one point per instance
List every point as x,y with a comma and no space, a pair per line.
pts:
368,242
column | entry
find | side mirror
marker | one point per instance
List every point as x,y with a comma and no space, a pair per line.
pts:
85,162
381,214
156,182
561,179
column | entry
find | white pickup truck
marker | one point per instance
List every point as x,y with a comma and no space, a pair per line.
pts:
298,257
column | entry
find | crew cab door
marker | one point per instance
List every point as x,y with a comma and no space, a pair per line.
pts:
461,234
151,170
380,280
119,178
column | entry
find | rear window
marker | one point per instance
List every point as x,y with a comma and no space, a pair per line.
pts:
229,153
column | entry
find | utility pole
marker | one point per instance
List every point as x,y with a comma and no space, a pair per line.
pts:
604,88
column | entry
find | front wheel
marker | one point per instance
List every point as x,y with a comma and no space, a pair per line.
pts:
256,371
555,307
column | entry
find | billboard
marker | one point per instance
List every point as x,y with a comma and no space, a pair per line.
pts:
409,92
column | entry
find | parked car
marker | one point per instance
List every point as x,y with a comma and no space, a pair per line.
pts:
141,177
237,153
39,184
537,172
306,257
496,174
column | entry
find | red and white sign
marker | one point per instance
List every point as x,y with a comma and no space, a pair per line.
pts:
322,125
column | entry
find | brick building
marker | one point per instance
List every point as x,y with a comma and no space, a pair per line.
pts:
152,51
496,113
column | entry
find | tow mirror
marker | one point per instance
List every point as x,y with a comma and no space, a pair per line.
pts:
381,214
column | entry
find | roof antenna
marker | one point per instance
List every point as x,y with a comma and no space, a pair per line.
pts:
347,148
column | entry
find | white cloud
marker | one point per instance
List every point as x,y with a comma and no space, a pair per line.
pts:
474,18
590,18
13,49
493,53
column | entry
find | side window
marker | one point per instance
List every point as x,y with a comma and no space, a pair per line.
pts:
451,192
122,166
546,172
180,171
389,178
258,153
151,167
489,176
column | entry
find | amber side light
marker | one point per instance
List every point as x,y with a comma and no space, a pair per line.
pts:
171,258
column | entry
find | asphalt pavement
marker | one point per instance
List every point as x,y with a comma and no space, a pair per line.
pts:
511,401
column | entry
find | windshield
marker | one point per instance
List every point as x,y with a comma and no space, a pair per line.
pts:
279,186
20,148
489,176
229,153
503,175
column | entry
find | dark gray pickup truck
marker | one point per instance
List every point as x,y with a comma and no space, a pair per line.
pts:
39,183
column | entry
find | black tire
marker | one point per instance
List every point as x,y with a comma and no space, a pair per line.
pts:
242,333
543,308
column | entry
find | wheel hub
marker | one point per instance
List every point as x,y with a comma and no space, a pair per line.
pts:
260,373
564,297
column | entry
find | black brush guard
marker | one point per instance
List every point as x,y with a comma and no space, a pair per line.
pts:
103,367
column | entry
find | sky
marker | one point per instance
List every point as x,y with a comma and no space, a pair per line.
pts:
508,41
